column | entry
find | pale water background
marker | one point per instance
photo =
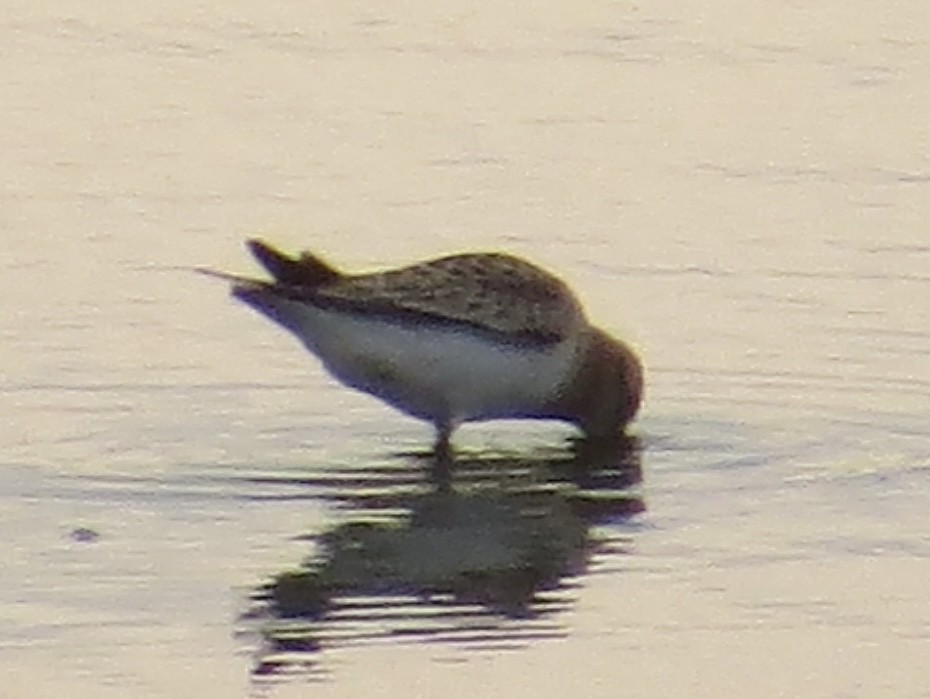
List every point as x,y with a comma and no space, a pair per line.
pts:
742,189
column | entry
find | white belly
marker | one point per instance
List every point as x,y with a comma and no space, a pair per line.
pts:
434,373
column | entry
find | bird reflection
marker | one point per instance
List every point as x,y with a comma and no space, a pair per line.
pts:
484,562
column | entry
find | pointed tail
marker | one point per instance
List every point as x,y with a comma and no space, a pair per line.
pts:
306,271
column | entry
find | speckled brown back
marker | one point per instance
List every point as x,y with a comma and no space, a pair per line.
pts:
499,294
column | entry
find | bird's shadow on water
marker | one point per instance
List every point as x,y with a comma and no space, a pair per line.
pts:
482,553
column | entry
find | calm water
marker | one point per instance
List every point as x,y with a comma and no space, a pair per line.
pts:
742,190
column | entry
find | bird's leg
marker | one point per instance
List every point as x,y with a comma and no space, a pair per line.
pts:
443,446
443,459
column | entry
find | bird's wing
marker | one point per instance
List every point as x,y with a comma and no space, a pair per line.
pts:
498,294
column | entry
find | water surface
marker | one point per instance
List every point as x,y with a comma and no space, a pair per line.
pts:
740,190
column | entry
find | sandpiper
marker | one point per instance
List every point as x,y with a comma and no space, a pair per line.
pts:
467,337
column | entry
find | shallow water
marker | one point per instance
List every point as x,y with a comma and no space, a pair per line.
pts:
743,192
